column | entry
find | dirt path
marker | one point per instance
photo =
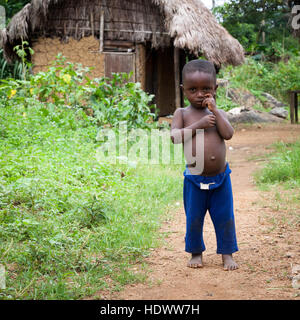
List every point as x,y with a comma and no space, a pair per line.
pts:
265,256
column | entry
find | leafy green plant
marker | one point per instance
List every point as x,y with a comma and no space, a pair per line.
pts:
22,52
109,101
115,100
9,70
14,92
62,84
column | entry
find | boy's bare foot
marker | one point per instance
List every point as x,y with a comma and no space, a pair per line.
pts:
228,262
196,261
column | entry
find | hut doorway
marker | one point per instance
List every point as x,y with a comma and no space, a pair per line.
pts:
163,78
120,62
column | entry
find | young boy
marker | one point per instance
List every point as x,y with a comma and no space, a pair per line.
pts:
202,128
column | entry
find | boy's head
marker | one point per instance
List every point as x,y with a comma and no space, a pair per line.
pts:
200,66
199,79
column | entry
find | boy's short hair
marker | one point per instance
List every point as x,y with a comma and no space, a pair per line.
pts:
200,66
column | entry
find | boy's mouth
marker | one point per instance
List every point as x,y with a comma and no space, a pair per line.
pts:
199,102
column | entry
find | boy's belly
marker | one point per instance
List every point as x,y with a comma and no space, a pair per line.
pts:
208,153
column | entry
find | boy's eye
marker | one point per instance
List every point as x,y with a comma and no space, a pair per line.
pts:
193,89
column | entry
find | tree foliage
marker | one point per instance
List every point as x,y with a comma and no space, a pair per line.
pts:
256,23
13,6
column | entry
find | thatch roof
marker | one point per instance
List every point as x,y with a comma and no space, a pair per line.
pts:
188,23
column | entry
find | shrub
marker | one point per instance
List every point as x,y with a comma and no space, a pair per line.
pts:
62,84
275,78
67,85
115,100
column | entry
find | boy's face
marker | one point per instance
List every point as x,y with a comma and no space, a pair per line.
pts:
197,85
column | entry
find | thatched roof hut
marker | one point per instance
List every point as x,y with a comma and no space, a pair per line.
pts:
188,22
141,26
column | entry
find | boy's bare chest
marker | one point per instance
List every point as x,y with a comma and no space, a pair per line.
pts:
190,117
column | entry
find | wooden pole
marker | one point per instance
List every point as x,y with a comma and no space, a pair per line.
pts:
101,35
177,78
76,26
92,24
76,31
296,107
292,106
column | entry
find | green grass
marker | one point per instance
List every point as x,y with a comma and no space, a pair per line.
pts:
279,180
283,166
69,225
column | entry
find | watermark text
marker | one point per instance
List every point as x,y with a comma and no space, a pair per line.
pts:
2,17
151,147
296,17
2,277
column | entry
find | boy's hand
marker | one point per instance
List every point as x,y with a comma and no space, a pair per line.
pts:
208,121
210,102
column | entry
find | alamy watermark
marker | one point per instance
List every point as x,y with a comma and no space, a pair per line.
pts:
296,276
296,18
2,277
2,17
151,147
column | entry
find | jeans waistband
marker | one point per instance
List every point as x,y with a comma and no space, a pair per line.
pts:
207,183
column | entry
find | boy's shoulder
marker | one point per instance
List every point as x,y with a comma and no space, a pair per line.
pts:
179,112
182,113
182,110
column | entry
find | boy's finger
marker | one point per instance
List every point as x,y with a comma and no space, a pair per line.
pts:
206,99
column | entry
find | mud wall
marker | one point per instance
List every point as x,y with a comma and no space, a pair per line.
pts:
85,51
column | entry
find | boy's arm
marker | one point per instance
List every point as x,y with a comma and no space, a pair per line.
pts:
223,125
177,134
177,127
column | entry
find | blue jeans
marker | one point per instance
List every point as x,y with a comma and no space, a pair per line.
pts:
215,195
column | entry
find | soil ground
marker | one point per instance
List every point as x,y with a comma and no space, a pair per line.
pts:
269,242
